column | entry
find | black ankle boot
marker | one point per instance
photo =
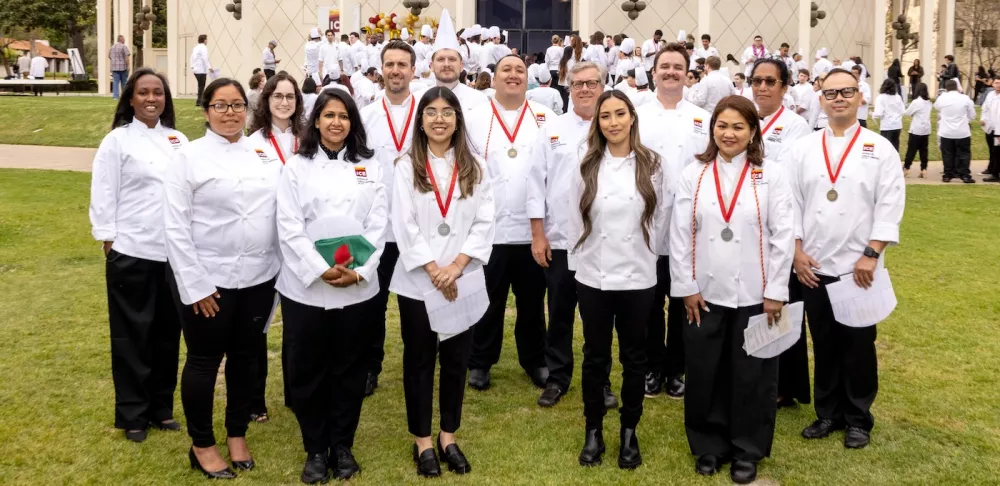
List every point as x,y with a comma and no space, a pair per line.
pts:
593,448
628,455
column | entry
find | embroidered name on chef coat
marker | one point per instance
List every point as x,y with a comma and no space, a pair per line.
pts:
362,174
263,156
554,142
775,135
540,118
868,152
699,127
174,142
757,177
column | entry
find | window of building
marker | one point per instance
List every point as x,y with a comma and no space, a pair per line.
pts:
530,23
989,38
959,37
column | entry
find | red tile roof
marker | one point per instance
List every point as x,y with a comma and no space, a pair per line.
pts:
42,49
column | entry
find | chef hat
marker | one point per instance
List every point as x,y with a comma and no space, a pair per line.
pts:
426,31
640,77
567,40
494,32
627,65
446,38
404,34
681,36
543,76
628,46
822,53
314,33
472,32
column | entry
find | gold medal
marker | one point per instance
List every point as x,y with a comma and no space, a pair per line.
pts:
831,195
512,152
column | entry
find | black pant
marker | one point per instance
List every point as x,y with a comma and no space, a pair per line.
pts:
863,123
665,346
730,400
563,90
916,143
145,338
957,153
258,403
268,73
380,304
994,167
512,267
892,136
793,364
602,312
420,351
846,374
201,87
234,333
326,368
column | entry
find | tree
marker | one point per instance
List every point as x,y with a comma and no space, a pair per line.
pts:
70,17
980,19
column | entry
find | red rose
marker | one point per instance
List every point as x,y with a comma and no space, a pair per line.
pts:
342,255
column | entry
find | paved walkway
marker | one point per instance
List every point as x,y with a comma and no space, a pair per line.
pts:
81,159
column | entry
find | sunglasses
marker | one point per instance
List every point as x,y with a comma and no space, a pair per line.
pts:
770,82
847,93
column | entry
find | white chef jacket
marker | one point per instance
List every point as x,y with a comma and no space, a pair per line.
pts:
486,55
702,53
286,142
219,216
423,51
316,188
649,47
329,53
199,59
639,98
471,61
557,156
866,94
746,91
470,98
788,128
955,112
677,136
364,89
871,193
615,256
889,111
547,97
374,52
126,188
595,54
552,57
346,58
711,89
990,113
920,113
817,117
416,217
749,53
358,56
508,176
380,139
311,53
613,58
803,95
732,273
822,66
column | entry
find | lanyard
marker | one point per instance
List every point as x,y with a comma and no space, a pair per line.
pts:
496,116
776,116
443,206
826,156
728,214
277,147
406,127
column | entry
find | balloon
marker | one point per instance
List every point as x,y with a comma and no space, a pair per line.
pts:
633,14
415,10
628,6
230,7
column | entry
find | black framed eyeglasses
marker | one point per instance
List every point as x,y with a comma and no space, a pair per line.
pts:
770,82
847,93
220,107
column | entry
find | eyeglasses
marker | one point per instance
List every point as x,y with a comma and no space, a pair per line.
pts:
447,114
590,84
278,97
224,107
770,82
847,93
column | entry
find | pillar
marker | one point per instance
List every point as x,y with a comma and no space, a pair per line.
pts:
125,20
946,33
582,18
103,45
876,70
927,61
465,13
173,45
704,19
805,32
350,16
147,43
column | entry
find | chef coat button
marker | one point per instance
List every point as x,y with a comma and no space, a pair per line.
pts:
630,198
604,236
628,237
844,176
628,275
602,274
711,275
819,211
605,197
737,278
711,238
737,240
842,212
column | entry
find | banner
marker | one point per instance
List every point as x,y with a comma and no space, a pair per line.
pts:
329,18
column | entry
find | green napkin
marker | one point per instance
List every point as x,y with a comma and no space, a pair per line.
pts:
357,247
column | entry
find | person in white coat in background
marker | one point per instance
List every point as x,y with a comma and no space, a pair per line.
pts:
731,245
333,187
329,58
822,64
311,56
544,94
126,215
889,110
617,210
222,247
474,50
642,94
919,112
990,121
443,216
955,114
200,65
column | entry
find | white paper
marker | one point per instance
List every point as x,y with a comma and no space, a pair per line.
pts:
274,310
214,73
763,341
854,306
448,318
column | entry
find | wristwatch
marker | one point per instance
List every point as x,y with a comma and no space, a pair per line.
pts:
871,253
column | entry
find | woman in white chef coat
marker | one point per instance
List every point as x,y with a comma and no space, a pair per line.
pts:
277,120
731,246
616,214
331,188
222,250
889,109
443,219
126,213
920,129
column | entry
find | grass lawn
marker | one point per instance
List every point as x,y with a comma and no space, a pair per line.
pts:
937,414
83,121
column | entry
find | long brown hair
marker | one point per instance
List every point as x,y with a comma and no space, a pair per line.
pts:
262,114
577,45
743,106
483,81
647,164
469,171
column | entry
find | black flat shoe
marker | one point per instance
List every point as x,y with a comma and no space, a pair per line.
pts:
610,400
969,180
260,418
244,465
707,465
856,438
223,474
479,379
628,453
457,463
550,396
427,463
346,467
371,384
593,448
743,472
171,425
315,469
538,376
675,387
136,436
821,428
654,384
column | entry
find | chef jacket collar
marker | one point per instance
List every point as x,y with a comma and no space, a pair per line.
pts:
219,139
628,158
737,161
449,155
138,125
847,133
276,130
332,154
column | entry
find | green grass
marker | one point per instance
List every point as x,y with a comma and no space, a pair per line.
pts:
937,413
83,122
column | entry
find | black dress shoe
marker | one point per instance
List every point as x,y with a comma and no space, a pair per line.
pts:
707,465
244,465
654,384
610,400
628,453
968,180
539,376
743,472
675,387
223,474
315,470
427,463
550,396
821,428
593,448
946,179
457,463
992,179
346,467
856,438
136,435
479,379
171,425
371,384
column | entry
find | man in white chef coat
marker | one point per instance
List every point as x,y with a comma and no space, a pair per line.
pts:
472,36
311,53
849,196
329,57
446,63
423,47
955,112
